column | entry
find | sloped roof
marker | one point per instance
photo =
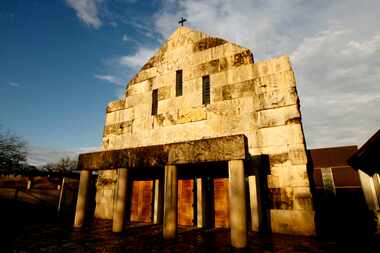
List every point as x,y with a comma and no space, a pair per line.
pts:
367,157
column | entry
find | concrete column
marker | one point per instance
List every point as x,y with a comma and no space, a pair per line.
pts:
199,203
376,183
84,184
157,206
120,201
254,203
369,191
238,212
328,182
170,202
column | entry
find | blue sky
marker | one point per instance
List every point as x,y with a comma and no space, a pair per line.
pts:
52,65
62,61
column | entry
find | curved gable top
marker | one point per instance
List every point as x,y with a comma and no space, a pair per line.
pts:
183,48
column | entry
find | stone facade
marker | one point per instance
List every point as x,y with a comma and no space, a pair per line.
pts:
258,100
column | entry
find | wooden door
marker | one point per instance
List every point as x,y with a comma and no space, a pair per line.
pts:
221,203
141,203
186,202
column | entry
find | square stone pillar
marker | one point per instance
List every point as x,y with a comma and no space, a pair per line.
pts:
120,201
80,211
254,203
170,202
200,200
370,196
157,205
238,212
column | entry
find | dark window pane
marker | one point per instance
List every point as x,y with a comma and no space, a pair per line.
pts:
178,86
154,101
205,90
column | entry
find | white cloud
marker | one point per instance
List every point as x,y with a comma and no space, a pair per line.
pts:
335,54
138,59
14,84
87,11
109,78
38,156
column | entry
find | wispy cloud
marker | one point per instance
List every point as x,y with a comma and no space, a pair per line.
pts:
14,84
41,155
87,11
125,38
109,78
335,54
138,59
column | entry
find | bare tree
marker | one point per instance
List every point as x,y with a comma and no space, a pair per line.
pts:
63,165
13,152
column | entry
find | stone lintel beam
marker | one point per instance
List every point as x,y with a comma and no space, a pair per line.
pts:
143,157
209,150
206,150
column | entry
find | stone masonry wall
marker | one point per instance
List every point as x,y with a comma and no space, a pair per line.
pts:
258,100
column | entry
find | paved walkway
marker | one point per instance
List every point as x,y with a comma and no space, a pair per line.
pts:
26,229
98,237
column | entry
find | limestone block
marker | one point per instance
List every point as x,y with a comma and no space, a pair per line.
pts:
207,43
273,181
286,175
192,86
216,94
180,56
206,68
193,99
280,136
278,116
132,100
209,54
165,79
268,98
244,57
238,90
240,74
119,128
302,198
219,149
115,105
274,65
164,92
127,114
141,87
110,118
144,74
219,79
278,159
104,204
281,198
192,115
231,49
297,154
297,222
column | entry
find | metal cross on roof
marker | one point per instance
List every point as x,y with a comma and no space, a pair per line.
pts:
182,20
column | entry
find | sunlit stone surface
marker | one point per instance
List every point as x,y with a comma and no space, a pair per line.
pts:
258,100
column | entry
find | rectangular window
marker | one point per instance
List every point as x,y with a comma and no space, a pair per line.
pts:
205,90
154,101
178,83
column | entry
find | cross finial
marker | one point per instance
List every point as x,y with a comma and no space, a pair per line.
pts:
182,20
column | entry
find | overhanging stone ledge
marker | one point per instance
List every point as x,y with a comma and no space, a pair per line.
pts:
225,148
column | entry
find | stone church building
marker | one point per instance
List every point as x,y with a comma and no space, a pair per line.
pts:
206,137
